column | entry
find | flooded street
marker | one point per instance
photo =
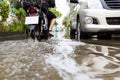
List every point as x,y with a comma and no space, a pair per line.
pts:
60,59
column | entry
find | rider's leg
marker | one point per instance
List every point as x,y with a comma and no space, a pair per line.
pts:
52,23
51,19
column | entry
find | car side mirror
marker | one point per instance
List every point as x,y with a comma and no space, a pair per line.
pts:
73,1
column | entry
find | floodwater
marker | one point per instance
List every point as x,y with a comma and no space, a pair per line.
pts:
59,59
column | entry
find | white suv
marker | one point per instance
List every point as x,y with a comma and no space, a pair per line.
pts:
99,17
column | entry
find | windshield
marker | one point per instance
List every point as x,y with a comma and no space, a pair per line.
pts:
94,4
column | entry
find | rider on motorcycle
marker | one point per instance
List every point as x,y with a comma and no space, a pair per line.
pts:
51,16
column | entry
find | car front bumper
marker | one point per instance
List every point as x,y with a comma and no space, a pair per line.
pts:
107,20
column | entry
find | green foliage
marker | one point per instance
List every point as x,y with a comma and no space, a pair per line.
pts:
4,9
16,26
21,14
15,3
66,22
57,13
1,27
19,25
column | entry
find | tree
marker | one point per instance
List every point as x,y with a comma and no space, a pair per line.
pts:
57,13
4,9
15,3
66,22
19,16
4,12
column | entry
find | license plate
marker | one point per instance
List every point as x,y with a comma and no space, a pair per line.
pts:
32,20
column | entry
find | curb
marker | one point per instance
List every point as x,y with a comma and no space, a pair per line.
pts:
12,36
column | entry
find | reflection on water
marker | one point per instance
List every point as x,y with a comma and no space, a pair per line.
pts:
99,61
58,59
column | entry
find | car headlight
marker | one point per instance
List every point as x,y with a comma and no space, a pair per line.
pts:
88,20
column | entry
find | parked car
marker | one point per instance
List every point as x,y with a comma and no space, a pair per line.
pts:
94,17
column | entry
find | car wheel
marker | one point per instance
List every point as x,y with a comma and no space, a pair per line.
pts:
78,30
80,33
72,32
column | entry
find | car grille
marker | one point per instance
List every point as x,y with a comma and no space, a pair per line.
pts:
113,4
113,20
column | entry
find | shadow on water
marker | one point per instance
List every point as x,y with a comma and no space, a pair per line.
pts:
99,61
100,57
114,41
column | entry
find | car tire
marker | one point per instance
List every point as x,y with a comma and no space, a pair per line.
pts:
80,33
72,32
78,30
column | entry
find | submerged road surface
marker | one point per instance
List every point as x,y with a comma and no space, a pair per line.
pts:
58,59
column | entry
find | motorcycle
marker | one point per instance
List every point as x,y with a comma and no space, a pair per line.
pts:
37,21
